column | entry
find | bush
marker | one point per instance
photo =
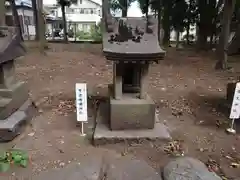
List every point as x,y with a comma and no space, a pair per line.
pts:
95,34
83,35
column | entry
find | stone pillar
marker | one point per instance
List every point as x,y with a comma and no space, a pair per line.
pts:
143,79
117,80
136,77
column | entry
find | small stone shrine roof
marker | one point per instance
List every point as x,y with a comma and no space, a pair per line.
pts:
131,39
11,45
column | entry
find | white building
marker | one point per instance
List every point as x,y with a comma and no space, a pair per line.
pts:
25,13
84,14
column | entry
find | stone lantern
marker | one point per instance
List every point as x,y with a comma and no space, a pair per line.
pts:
14,101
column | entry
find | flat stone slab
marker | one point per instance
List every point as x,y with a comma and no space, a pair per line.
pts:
99,168
103,134
13,125
187,168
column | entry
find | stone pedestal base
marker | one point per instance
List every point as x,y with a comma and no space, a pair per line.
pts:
12,98
13,125
104,135
132,113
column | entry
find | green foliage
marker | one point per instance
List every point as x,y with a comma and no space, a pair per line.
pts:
13,156
179,14
95,34
143,5
83,35
119,4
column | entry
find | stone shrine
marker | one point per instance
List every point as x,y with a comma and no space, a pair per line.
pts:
13,94
130,106
131,44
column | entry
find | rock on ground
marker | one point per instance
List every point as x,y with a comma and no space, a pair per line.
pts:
187,168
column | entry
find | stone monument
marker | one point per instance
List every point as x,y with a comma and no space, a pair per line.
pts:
13,94
131,44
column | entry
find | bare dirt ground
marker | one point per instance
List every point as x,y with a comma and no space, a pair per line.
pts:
185,87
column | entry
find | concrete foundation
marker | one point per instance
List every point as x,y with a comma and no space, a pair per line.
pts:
104,135
130,112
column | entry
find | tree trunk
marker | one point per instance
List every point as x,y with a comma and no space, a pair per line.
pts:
124,8
166,22
188,33
159,21
177,34
41,25
2,13
147,4
203,26
35,15
16,17
224,36
64,24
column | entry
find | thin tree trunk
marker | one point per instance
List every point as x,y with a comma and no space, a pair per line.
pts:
188,33
35,15
64,24
147,4
16,17
159,21
41,25
203,29
166,23
2,13
124,8
177,34
223,41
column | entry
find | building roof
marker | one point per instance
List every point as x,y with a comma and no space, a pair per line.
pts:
27,3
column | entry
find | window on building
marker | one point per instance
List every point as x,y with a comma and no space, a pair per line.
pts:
86,11
80,1
28,20
69,10
81,11
92,11
76,10
85,27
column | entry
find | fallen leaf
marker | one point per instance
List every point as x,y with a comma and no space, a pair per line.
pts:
235,165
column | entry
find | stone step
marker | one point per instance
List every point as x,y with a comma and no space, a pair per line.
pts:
4,102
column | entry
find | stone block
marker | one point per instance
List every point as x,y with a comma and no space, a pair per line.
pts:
132,113
187,168
13,125
12,98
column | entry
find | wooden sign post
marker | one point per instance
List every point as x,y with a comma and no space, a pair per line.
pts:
235,109
81,104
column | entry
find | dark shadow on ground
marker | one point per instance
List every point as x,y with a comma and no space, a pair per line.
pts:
211,111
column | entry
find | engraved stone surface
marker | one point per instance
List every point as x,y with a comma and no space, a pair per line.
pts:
187,168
